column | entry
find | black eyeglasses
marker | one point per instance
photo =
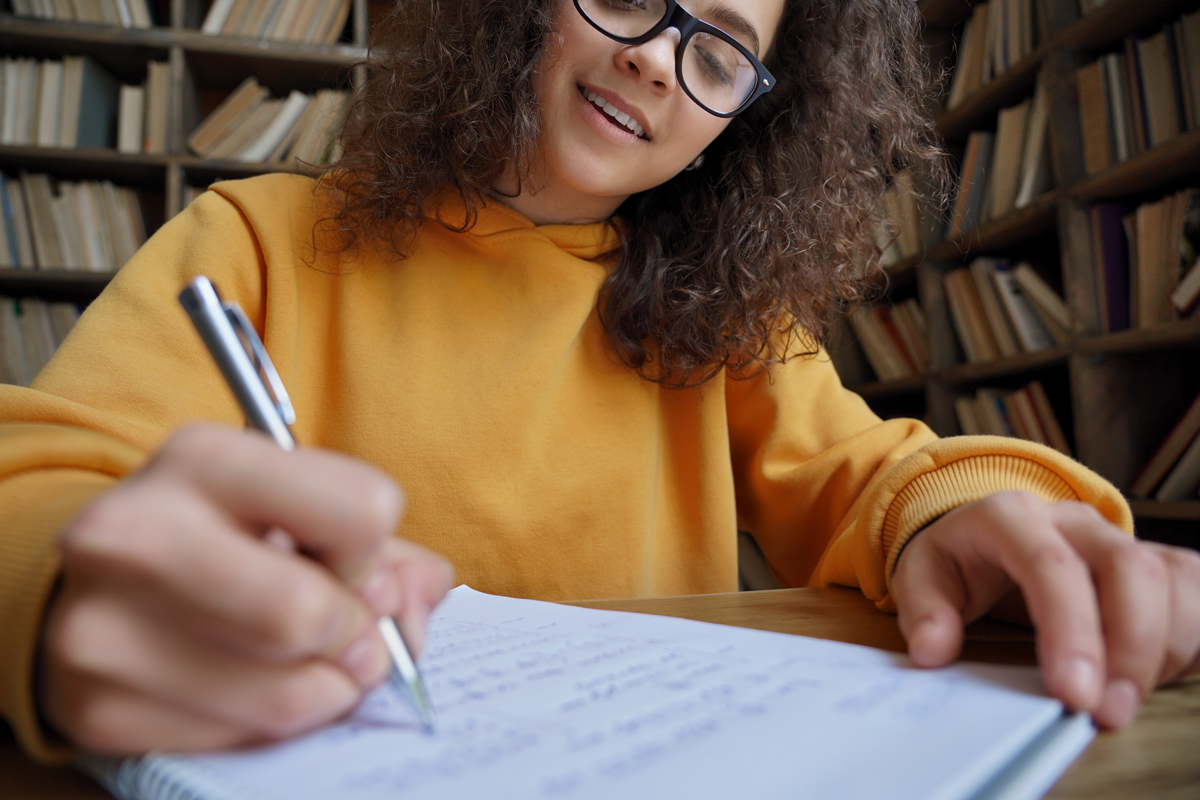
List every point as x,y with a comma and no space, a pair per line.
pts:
715,69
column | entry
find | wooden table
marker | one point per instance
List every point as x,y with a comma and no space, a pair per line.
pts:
1156,757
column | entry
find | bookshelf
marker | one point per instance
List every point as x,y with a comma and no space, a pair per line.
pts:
203,69
1117,395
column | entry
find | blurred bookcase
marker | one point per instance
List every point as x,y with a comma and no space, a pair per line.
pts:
1116,393
202,71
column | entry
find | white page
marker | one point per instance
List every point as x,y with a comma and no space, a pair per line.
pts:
541,700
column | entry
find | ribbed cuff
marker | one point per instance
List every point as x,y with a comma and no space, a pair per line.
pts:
34,507
954,472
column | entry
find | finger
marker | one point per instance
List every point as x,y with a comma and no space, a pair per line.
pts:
336,508
113,721
1059,596
1183,645
108,640
1134,597
187,562
930,598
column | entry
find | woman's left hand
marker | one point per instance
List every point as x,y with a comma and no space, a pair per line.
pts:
1114,616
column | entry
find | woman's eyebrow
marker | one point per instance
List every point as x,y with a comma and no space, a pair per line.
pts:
731,21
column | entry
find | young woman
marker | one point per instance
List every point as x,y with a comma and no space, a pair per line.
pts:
566,289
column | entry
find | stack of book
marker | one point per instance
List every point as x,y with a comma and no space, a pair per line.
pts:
77,103
317,21
1005,170
999,34
250,126
1173,472
1142,97
1025,413
893,339
30,331
90,226
1145,260
1000,311
125,13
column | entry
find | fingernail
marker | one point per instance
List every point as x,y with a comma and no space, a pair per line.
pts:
1081,677
366,659
1121,701
379,592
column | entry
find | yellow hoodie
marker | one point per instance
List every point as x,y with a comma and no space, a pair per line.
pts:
477,374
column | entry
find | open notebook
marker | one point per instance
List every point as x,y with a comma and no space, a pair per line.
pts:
537,700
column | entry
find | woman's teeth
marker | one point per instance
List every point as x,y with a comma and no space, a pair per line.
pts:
620,116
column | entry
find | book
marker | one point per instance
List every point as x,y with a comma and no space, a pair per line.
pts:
969,318
1120,139
17,216
1190,63
1003,182
1110,251
1043,296
156,110
48,111
1036,176
881,350
1135,96
1093,117
218,12
1158,89
226,116
131,119
1031,331
10,337
1165,457
90,99
600,704
967,412
968,72
972,184
261,147
1184,478
981,273
993,416
1186,295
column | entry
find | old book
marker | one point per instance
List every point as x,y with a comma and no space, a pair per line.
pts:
281,23
972,184
1093,117
1011,128
89,104
1036,177
39,205
1155,274
969,318
16,211
1022,404
257,19
14,351
48,111
156,106
1030,331
1135,95
1184,478
131,119
8,106
214,20
1111,252
237,17
314,143
1047,418
1042,295
261,147
883,318
37,338
1012,415
914,342
880,350
139,11
335,23
981,270
1172,447
967,411
281,151
226,116
1120,131
1186,296
67,226
1179,61
1158,88
968,72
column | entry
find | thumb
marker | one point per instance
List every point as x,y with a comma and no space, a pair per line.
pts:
929,593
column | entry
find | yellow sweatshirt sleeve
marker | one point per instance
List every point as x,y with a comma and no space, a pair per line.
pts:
129,374
831,493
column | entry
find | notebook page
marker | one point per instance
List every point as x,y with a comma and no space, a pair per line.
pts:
538,700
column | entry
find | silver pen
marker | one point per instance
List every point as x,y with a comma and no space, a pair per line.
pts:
248,370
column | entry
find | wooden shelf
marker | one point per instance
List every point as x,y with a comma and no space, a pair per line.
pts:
1182,333
86,163
79,287
1166,165
1025,362
1006,231
1110,23
977,110
886,388
1152,509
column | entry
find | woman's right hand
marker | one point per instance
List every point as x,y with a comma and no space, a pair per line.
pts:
187,619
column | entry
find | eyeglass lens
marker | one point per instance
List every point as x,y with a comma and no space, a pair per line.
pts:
715,72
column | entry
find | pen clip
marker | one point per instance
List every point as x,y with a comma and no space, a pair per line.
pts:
262,362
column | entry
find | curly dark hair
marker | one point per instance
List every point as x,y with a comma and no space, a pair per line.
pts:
727,266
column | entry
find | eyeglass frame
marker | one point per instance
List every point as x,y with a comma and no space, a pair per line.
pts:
689,25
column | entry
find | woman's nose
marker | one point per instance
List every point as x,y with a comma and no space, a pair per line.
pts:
653,61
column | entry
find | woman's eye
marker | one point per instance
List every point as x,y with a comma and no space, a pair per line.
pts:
713,68
626,5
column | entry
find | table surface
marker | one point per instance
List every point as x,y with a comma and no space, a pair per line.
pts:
1156,757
